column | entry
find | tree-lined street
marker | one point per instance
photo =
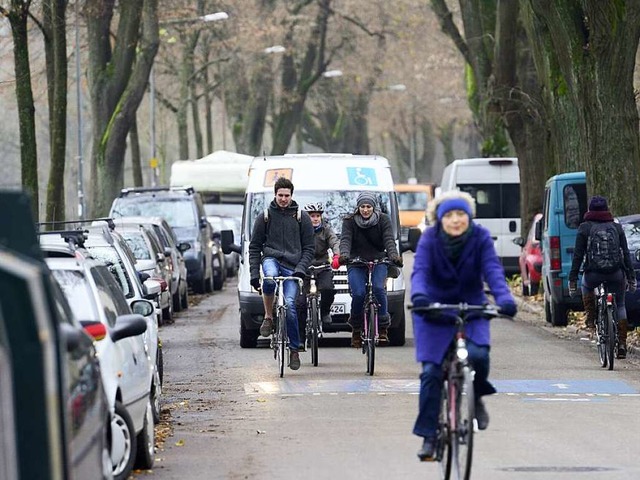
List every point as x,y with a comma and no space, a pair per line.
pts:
557,413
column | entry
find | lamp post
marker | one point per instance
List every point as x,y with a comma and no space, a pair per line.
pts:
153,161
81,199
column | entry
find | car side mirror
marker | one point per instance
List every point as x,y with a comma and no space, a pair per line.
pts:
519,241
414,238
167,251
151,289
227,242
72,336
160,257
538,231
128,325
142,307
183,247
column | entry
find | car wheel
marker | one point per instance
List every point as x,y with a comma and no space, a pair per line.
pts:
558,314
156,392
123,443
208,286
175,299
184,299
107,464
167,314
534,288
160,362
218,282
145,456
199,284
547,310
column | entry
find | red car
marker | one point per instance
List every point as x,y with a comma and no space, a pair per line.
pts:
530,260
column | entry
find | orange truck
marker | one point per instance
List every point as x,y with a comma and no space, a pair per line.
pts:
412,203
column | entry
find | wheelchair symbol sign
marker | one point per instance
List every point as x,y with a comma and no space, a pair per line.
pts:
363,177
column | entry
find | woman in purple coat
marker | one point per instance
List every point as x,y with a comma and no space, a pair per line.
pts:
453,260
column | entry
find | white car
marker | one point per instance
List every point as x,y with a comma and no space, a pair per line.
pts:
127,371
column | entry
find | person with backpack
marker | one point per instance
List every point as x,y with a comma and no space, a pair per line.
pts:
602,245
282,242
367,234
326,241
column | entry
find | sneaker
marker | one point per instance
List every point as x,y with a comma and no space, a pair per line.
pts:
622,351
482,416
267,327
326,318
294,361
356,338
383,336
428,451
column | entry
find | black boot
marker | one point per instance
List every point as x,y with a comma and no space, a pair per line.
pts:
589,302
623,327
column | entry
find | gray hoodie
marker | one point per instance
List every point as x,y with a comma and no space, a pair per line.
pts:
282,237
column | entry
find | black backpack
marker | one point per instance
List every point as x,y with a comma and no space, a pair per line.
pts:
603,248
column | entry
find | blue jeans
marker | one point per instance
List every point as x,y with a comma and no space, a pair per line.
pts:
271,268
431,380
358,284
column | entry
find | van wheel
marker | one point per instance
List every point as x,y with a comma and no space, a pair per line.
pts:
248,338
397,334
547,310
558,313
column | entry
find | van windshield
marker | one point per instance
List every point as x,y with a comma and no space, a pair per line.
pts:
575,203
337,204
495,200
416,201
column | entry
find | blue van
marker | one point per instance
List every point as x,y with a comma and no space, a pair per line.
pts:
565,203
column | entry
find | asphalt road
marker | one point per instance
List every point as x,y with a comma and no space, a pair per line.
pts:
228,415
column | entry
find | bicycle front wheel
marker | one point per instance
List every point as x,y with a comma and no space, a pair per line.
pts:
370,339
611,336
601,337
462,424
443,452
282,342
313,344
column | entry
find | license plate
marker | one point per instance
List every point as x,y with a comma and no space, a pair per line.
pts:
337,309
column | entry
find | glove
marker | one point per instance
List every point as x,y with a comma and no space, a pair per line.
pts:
335,263
343,259
298,275
419,300
508,309
255,283
397,260
632,285
573,288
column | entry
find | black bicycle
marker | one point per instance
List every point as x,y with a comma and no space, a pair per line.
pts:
454,448
370,324
313,329
606,326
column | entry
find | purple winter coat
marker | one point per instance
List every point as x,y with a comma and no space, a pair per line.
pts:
437,279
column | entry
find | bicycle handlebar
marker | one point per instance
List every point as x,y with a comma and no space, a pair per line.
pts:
319,268
283,279
463,308
362,262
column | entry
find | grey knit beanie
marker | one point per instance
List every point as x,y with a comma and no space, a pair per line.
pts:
367,198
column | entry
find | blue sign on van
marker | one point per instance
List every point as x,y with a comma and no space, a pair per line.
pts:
362,177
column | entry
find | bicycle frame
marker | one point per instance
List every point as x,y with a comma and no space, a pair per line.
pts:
606,326
280,337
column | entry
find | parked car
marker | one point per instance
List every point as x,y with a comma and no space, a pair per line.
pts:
175,250
565,203
530,259
631,226
182,208
127,370
55,420
151,259
220,223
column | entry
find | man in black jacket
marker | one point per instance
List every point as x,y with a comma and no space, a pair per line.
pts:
282,242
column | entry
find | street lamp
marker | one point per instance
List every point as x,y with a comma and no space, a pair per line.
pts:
153,162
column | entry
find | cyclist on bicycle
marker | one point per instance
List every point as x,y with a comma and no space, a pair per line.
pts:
282,241
607,259
325,240
453,259
367,234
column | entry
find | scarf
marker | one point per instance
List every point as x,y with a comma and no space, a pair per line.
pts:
372,221
453,245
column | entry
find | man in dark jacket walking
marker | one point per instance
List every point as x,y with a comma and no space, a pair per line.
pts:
282,242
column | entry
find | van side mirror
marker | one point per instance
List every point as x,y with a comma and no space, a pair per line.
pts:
519,241
538,231
414,237
227,242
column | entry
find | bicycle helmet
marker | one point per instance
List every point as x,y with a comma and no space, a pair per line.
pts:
314,207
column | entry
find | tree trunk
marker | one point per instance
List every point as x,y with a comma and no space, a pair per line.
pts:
118,77
24,96
588,59
56,60
136,162
197,129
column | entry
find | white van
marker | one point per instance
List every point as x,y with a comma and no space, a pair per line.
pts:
495,184
336,180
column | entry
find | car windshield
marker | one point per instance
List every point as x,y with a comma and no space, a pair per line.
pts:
412,200
112,261
178,212
78,293
136,242
337,204
632,232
